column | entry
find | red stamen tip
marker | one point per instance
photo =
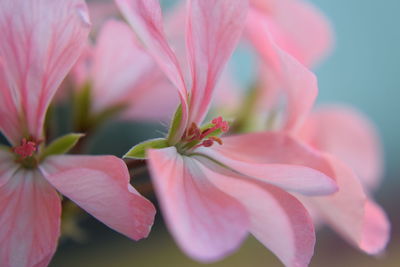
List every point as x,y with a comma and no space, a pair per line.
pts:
225,126
217,121
26,149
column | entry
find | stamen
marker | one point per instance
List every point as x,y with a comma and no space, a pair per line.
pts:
195,137
216,139
26,149
219,123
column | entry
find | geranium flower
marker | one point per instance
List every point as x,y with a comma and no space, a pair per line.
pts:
287,100
41,40
211,194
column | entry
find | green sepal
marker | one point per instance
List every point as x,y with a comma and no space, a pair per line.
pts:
175,123
139,151
61,145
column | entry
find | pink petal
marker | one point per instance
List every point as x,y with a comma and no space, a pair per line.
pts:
146,19
118,78
214,28
275,159
278,220
300,28
376,229
41,40
100,185
153,99
10,124
352,214
296,82
30,213
351,137
206,223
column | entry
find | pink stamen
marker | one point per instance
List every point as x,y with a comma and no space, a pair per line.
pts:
26,149
219,123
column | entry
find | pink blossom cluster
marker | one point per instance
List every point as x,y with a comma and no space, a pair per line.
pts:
268,164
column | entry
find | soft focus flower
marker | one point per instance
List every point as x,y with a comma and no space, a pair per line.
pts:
214,190
297,27
41,40
120,74
350,136
285,98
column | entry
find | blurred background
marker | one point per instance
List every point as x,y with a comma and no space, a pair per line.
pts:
362,70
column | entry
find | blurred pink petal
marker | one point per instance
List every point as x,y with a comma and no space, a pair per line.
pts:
100,185
298,84
30,218
206,223
350,136
146,19
101,11
36,57
281,223
213,31
122,72
376,229
297,27
351,213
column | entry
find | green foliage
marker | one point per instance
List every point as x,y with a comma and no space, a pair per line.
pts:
139,151
175,123
61,145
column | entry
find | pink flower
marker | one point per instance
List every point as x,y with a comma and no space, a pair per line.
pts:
121,73
349,136
213,190
41,40
351,212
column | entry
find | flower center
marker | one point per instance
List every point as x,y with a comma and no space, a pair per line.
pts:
206,136
25,153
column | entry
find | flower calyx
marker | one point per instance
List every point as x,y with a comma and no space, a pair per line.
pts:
25,153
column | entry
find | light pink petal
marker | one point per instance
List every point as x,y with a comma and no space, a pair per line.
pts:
100,185
278,220
351,214
101,11
376,229
299,28
297,84
351,137
10,122
206,223
153,100
30,213
119,64
213,30
41,40
7,166
118,78
146,19
290,177
277,159
80,72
